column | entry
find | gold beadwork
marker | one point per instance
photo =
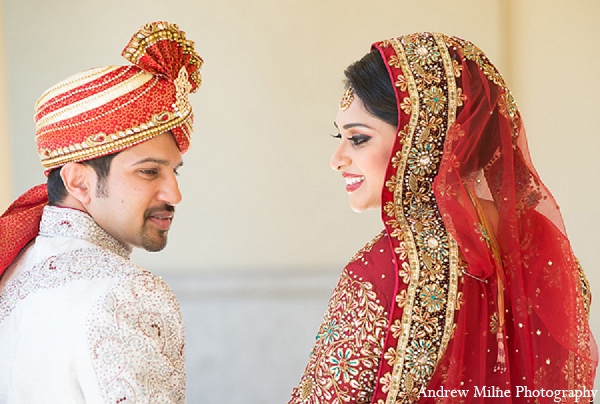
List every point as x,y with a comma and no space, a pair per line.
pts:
152,33
428,246
182,89
347,98
99,144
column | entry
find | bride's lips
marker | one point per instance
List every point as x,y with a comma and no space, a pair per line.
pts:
353,181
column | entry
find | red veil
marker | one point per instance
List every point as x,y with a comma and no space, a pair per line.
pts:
499,309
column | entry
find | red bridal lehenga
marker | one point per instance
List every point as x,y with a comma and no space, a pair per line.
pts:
444,306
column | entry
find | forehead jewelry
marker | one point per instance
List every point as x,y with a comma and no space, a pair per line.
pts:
347,98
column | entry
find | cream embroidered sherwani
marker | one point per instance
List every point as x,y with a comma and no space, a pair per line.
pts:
80,323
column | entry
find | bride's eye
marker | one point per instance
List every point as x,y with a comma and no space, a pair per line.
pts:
357,140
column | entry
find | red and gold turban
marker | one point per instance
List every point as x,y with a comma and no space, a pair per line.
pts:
105,110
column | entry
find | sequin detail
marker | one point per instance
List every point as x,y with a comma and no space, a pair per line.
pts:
136,338
431,272
76,224
58,270
344,361
135,331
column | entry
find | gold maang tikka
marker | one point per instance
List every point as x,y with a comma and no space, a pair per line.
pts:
347,98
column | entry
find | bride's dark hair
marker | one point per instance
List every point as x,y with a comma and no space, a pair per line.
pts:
372,85
371,82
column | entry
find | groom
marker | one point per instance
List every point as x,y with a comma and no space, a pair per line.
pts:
78,321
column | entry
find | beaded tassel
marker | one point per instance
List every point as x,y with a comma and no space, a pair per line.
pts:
501,359
495,249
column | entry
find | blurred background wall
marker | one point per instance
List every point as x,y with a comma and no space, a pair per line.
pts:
264,229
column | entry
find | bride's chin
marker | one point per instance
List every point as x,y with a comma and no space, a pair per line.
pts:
359,208
360,202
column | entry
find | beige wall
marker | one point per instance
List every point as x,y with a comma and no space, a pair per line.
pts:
553,59
258,193
5,155
556,57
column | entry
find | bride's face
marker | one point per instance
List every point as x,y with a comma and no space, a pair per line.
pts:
363,154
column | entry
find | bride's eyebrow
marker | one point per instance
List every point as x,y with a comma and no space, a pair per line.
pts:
353,125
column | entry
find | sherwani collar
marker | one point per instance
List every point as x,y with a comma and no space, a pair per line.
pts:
67,222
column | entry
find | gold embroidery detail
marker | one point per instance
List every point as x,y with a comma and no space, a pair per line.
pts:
307,388
102,143
506,102
367,247
346,355
453,247
585,289
401,83
507,105
431,296
182,90
151,33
